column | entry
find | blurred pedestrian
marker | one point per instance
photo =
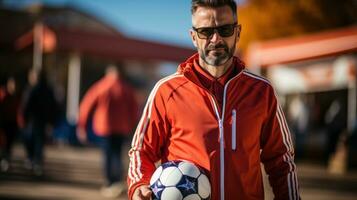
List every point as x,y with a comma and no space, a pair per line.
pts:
32,78
9,107
336,123
299,121
40,110
111,106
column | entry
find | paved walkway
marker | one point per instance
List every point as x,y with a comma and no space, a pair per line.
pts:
75,173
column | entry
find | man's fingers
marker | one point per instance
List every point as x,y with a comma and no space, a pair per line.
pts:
142,193
146,192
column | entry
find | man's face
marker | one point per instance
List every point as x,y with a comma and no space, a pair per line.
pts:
215,49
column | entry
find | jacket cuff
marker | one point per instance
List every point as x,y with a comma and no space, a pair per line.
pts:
136,185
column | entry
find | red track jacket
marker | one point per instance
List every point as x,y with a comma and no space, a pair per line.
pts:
112,105
182,120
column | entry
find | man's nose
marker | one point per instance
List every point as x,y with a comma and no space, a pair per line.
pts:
215,37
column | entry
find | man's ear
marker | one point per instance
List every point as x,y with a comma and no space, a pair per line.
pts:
239,30
193,37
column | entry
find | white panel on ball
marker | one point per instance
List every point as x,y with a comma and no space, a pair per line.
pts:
204,186
192,197
156,175
171,193
170,176
189,169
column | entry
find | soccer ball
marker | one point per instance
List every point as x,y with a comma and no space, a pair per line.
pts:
180,180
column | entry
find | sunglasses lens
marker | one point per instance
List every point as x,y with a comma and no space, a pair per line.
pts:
223,31
226,31
205,32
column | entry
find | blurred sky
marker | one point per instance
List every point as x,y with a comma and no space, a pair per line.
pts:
159,20
166,21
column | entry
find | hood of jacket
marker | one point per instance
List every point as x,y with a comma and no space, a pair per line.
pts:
186,68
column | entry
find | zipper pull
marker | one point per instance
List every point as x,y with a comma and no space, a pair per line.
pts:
234,131
220,125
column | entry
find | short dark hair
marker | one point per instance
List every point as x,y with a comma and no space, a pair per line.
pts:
213,4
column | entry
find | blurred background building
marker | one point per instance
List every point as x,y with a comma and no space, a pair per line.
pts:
315,70
74,48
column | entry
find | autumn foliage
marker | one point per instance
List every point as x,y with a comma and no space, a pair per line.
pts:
269,19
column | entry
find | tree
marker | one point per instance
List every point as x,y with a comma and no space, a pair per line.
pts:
263,20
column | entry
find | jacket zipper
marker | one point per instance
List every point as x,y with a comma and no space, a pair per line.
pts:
221,137
234,133
221,132
221,146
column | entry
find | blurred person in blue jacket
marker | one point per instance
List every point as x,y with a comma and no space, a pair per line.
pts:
40,109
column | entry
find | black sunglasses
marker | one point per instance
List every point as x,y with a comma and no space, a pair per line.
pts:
224,31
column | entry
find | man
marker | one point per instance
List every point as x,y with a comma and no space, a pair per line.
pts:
40,109
29,138
111,104
9,121
217,115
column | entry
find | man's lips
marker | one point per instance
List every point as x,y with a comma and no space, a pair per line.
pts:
218,50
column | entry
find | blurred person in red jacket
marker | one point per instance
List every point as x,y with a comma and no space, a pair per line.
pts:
9,107
111,105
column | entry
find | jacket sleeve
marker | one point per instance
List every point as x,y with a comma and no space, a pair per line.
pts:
148,139
133,105
277,152
87,106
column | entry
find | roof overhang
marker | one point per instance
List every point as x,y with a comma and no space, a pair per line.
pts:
307,47
114,47
338,73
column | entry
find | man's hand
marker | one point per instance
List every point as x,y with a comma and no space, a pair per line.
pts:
143,192
82,135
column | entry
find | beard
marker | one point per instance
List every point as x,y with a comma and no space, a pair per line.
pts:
216,54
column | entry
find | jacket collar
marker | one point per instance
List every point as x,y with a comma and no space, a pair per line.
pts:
186,68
